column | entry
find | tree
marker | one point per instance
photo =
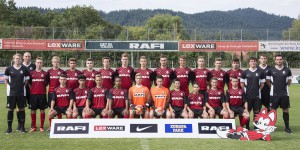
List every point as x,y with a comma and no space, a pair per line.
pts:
293,33
7,12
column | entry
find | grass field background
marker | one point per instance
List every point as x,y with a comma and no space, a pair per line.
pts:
38,140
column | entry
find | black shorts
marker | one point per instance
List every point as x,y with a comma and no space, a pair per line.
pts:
178,112
282,101
38,101
197,113
254,104
202,92
50,99
13,101
118,112
97,112
80,110
60,110
265,99
237,110
28,96
218,110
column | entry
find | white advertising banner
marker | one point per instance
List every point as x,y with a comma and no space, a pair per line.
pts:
283,46
139,128
0,43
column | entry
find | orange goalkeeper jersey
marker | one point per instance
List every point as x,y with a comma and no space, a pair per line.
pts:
138,95
160,96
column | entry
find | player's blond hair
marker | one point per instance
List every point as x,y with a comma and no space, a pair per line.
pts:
72,59
200,57
18,55
39,58
143,57
218,59
55,58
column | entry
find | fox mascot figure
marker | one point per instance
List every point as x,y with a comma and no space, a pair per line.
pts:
264,122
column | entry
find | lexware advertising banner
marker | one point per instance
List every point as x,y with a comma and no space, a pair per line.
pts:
132,45
282,46
24,44
204,46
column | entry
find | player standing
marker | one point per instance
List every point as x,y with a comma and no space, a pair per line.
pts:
279,78
164,71
147,74
81,95
16,78
72,74
62,100
125,72
184,74
119,100
236,102
234,71
265,92
252,81
201,75
107,73
219,73
161,98
197,103
90,73
178,101
139,99
38,84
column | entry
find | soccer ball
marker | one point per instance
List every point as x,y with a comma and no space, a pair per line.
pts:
159,111
138,109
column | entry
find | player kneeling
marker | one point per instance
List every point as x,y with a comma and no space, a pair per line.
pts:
118,100
178,101
62,99
81,95
235,100
97,98
197,101
139,99
216,100
161,97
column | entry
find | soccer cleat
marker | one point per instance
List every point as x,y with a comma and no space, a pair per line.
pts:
32,129
22,130
18,128
8,131
42,130
288,130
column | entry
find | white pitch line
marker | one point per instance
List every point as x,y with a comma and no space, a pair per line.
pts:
144,144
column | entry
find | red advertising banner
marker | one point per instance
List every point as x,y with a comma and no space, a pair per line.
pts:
206,46
46,45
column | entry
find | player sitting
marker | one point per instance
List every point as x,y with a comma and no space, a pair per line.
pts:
197,103
81,94
178,101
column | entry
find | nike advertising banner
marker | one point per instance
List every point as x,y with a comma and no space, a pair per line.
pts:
282,46
139,128
42,45
205,46
131,46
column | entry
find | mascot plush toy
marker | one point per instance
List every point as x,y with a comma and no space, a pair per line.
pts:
264,122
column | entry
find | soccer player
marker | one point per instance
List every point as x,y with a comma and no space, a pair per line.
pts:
219,73
197,103
16,78
38,84
161,98
252,81
62,100
81,95
30,66
216,100
107,73
234,71
125,72
164,71
119,100
236,102
72,74
201,75
178,101
184,74
97,98
90,73
265,92
139,97
279,78
147,74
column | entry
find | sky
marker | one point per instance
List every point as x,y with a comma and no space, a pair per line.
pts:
278,7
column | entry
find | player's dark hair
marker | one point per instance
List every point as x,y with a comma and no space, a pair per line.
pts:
213,78
234,77
278,55
262,55
89,59
63,75
163,56
39,58
253,58
98,75
138,74
81,76
159,77
117,77
182,57
105,58
176,80
72,59
124,55
236,60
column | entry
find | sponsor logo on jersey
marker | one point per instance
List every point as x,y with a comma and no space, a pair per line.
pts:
71,128
283,72
210,128
143,128
109,128
178,128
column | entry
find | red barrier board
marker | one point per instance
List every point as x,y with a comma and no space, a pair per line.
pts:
205,46
46,45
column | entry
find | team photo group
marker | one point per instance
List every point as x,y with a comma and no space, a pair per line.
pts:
144,93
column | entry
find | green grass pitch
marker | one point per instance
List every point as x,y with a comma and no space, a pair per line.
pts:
37,140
